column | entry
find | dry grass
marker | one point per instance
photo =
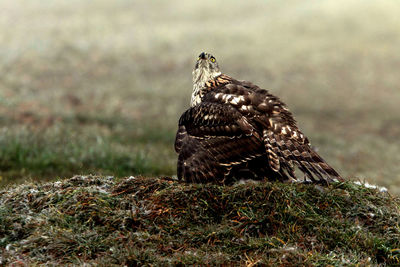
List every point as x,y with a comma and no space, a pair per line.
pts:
85,82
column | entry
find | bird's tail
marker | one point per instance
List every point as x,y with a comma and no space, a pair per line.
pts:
299,152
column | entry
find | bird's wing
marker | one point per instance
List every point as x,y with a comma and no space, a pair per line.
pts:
211,139
285,144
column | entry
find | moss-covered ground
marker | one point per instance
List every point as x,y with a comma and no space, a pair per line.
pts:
137,220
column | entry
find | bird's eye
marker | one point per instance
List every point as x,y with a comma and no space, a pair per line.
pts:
212,59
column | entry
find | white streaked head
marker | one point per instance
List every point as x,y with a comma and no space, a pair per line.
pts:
206,68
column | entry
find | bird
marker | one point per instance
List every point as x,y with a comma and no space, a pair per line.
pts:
234,130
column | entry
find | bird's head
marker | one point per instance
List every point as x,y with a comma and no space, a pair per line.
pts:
206,68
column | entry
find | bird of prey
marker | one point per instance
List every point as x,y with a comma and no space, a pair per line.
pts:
235,130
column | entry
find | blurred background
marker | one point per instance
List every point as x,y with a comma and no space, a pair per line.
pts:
98,86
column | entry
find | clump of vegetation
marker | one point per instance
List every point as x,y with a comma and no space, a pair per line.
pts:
135,221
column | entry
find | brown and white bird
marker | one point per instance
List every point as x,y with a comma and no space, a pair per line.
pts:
236,130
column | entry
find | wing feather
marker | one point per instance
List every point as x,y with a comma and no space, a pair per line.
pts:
211,139
239,128
285,145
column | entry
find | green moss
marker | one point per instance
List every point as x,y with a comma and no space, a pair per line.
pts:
162,221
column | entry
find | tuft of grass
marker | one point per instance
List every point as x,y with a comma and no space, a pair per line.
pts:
158,221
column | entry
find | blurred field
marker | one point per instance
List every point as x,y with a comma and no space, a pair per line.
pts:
98,86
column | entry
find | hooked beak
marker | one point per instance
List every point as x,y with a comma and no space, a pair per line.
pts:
202,55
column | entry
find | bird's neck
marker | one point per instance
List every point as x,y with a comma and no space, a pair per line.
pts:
201,79
196,94
203,84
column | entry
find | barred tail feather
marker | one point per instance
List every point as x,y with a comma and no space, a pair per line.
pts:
300,153
315,167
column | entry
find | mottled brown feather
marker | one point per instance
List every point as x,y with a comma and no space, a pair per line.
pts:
241,131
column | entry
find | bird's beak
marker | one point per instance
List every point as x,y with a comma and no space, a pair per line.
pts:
202,55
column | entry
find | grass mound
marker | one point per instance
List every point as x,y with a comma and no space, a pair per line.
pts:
135,221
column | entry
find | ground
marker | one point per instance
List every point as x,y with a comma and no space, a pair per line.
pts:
137,221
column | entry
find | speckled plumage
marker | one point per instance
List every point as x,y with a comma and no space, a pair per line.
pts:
236,130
